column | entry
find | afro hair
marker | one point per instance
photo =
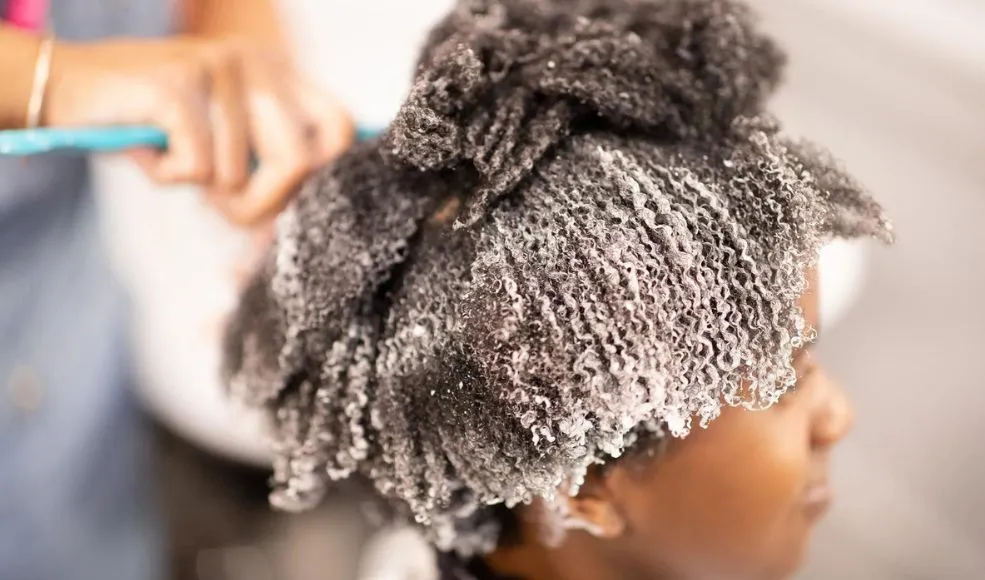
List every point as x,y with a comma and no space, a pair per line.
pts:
633,236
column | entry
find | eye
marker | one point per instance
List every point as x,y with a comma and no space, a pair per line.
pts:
805,365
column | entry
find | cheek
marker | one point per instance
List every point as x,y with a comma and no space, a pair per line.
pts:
728,495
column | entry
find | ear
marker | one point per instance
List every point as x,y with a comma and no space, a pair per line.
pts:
595,509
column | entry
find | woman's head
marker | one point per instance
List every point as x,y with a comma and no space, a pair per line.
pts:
631,258
735,500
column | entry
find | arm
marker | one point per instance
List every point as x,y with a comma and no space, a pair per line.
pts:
255,20
221,91
18,52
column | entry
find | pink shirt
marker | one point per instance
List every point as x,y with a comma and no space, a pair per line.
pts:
27,14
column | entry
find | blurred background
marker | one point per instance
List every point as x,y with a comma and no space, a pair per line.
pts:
895,88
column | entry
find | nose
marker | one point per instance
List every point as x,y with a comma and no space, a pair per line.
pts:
834,414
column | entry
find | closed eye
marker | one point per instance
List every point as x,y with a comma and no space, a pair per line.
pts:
804,366
804,362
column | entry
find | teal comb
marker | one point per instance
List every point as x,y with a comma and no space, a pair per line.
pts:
96,139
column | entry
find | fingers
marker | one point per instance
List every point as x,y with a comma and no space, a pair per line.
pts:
230,133
334,130
280,135
184,115
230,103
295,130
203,111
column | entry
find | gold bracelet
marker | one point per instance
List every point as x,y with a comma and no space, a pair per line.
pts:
42,70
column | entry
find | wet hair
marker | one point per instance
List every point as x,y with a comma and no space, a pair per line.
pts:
630,234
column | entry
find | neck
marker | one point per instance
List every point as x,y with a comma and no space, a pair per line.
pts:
531,562
580,557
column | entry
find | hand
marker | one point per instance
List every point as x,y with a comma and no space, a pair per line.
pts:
218,101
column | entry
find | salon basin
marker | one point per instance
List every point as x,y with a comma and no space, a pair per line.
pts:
178,260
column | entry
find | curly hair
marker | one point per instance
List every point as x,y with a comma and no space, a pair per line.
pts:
633,237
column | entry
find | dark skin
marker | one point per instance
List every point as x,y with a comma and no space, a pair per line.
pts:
735,501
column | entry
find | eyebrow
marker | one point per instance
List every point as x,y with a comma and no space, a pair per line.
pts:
803,351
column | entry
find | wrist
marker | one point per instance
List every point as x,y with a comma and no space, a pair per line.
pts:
65,58
19,52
